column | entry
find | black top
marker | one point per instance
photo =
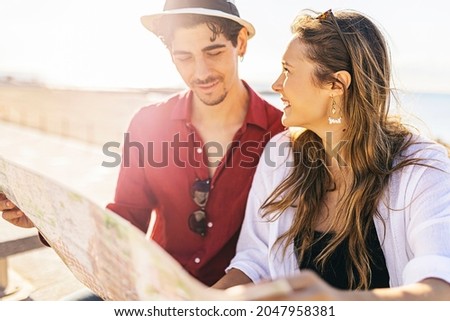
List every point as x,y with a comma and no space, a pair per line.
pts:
335,272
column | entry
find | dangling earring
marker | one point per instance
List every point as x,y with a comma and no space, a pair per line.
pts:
241,58
334,118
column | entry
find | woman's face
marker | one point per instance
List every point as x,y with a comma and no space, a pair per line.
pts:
305,103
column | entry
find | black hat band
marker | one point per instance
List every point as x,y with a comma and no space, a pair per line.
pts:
220,5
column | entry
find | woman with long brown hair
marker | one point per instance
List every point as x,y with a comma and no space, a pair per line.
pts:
351,200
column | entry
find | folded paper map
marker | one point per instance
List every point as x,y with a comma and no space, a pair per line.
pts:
105,252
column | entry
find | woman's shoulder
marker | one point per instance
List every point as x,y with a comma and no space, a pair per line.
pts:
423,147
282,137
278,150
276,160
422,155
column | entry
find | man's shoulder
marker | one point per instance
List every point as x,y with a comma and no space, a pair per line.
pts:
165,106
271,108
260,105
158,117
274,118
259,100
159,111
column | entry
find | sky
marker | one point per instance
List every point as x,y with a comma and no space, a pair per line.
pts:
102,44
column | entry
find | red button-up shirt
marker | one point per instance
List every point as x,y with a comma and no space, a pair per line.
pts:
163,156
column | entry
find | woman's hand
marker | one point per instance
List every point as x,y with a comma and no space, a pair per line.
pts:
308,286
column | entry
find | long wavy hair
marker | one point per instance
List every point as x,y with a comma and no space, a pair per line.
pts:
346,41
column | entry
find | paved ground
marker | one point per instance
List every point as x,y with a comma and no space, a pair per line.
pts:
41,273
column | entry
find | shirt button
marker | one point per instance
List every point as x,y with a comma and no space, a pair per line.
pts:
197,260
199,150
210,224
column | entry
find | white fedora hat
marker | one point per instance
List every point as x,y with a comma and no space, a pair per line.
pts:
217,8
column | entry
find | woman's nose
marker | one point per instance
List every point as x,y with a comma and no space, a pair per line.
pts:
277,85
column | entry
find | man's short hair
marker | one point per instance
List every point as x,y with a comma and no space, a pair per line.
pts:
218,26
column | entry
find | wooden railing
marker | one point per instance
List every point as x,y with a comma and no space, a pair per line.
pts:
14,240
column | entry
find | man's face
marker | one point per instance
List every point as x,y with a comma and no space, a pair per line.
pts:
208,67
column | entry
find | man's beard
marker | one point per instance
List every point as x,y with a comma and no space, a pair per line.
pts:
213,101
210,101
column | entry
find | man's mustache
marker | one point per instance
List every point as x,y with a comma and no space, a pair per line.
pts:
205,81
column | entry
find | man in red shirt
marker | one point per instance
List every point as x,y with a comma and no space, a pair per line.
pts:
190,160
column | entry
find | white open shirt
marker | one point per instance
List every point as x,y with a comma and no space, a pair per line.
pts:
415,208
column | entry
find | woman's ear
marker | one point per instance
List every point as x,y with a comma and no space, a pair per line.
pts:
345,79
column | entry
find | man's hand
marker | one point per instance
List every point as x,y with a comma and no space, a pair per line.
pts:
13,214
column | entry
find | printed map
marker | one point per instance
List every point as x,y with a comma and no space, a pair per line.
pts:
105,252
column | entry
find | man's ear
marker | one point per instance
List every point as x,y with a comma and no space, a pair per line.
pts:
242,42
345,79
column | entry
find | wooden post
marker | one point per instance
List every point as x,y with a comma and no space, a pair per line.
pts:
3,275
